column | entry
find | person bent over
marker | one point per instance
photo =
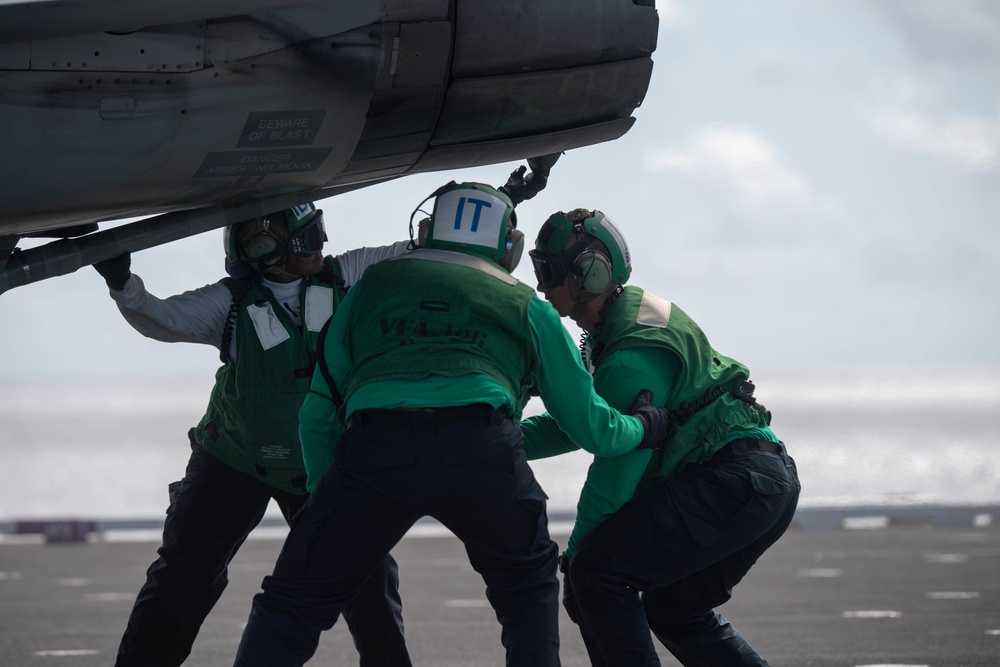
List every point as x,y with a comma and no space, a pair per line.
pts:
662,535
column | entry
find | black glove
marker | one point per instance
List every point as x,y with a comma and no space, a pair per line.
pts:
543,165
568,596
520,187
115,271
655,421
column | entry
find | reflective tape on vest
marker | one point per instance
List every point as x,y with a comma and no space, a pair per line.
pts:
270,331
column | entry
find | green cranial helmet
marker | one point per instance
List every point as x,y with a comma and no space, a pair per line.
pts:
566,246
476,218
265,241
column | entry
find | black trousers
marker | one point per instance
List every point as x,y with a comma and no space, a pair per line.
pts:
212,511
392,468
665,560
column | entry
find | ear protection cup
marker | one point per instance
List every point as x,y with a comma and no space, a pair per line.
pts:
515,246
260,244
593,270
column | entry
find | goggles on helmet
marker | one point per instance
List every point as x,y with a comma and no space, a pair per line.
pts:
550,270
309,238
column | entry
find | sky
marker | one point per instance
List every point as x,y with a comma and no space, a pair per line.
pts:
816,182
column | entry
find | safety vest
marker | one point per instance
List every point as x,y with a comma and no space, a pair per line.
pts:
436,312
252,418
703,409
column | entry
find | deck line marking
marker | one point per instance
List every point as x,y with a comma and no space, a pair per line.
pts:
873,613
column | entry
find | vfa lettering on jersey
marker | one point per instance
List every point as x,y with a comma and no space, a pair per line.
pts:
469,217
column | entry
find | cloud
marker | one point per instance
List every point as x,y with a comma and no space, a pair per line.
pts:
741,162
671,13
771,66
967,140
959,32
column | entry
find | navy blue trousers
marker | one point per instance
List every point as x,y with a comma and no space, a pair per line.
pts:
471,475
666,559
212,510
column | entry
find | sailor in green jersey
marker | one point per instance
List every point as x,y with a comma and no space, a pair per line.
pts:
265,320
661,537
422,376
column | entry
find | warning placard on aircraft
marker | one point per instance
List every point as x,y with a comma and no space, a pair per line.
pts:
261,163
281,128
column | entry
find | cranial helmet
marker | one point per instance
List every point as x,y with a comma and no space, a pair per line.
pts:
584,245
477,218
265,241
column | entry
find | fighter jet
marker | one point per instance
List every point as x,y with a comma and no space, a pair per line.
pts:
198,114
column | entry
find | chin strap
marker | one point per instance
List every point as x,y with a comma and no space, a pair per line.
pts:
580,298
579,303
575,313
588,357
279,271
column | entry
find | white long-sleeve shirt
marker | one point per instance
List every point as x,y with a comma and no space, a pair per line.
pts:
199,315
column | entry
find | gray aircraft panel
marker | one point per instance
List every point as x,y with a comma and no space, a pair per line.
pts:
228,108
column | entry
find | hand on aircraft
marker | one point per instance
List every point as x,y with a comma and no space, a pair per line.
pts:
115,271
543,164
520,187
655,421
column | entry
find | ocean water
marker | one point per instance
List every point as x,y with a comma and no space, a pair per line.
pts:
108,449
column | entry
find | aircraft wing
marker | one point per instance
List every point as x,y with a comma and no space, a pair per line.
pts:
208,113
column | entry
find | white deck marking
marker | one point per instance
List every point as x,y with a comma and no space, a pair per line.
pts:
953,595
73,581
821,572
864,522
109,597
873,613
946,558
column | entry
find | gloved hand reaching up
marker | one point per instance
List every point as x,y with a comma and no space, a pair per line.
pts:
520,187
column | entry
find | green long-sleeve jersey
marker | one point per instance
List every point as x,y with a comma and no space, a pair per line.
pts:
554,371
618,377
611,480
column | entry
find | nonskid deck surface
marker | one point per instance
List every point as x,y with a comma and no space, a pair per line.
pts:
900,593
